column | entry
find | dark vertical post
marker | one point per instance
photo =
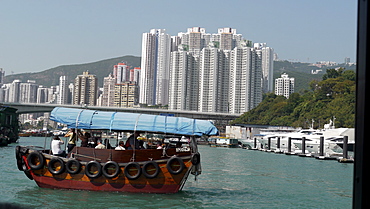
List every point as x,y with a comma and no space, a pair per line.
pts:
255,143
321,146
278,143
361,174
269,143
345,147
289,144
303,145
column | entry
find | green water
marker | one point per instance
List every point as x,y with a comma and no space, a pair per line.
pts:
231,178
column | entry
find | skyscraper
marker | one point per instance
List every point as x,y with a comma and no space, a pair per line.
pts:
184,81
108,91
126,94
267,57
14,90
155,67
28,92
85,89
63,91
121,72
284,85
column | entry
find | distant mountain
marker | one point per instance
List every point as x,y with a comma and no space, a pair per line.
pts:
51,76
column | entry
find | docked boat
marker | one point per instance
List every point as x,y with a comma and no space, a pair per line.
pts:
139,170
225,142
9,125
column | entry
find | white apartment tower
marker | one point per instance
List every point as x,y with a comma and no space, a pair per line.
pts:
14,90
213,80
267,56
121,72
108,91
28,92
284,85
184,81
245,80
155,67
63,91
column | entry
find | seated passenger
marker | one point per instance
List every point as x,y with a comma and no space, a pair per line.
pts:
100,145
55,147
120,146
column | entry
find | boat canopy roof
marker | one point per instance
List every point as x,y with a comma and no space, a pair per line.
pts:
123,121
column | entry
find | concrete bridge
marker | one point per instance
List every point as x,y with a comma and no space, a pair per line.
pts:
34,108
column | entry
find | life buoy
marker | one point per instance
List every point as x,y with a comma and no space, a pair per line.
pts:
175,165
56,166
35,160
73,166
111,169
93,169
132,170
195,159
150,169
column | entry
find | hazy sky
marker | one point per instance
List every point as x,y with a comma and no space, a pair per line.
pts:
39,34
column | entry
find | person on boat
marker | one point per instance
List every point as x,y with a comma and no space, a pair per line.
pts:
120,146
100,145
159,145
72,139
55,147
84,138
132,142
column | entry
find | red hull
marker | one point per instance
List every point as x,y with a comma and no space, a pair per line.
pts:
52,183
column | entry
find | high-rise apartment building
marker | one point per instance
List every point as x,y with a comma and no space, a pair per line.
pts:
245,90
13,92
108,91
213,80
63,91
121,72
42,95
155,67
184,81
267,56
284,85
85,89
126,94
28,92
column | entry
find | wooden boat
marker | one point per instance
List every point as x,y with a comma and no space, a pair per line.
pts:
141,170
9,125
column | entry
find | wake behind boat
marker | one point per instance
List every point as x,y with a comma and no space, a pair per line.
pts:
137,170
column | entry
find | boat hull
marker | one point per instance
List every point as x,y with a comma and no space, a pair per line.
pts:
165,180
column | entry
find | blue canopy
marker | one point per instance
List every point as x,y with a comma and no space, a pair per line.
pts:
122,121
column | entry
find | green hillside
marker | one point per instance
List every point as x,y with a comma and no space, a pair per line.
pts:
333,96
51,76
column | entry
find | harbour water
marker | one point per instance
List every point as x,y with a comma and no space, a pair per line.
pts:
231,178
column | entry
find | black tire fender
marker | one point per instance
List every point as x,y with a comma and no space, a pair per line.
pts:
173,160
93,175
40,158
146,173
195,159
51,166
73,162
107,166
129,166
